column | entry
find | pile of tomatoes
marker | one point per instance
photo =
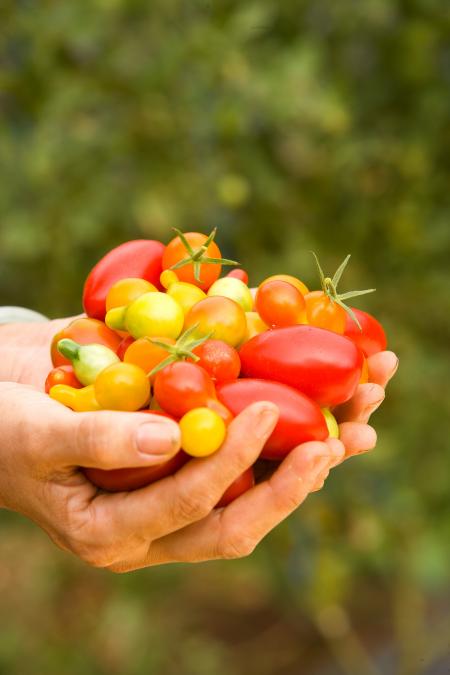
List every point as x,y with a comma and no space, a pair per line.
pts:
166,334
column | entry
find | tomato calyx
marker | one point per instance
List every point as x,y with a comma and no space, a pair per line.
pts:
197,257
183,349
329,287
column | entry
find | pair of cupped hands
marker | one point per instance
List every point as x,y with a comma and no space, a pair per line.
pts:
42,444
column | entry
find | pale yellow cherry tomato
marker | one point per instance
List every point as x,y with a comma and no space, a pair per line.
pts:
150,315
255,325
123,292
333,427
299,285
202,432
79,400
235,289
186,295
122,386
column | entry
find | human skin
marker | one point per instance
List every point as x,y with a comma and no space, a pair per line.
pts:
43,444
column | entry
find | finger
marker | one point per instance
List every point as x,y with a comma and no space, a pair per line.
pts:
112,440
235,531
367,399
193,492
382,367
357,438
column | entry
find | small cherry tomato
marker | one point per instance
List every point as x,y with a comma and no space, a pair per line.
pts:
239,274
187,295
221,361
62,375
126,342
122,386
280,304
150,315
235,289
85,332
222,317
183,386
241,485
324,312
372,338
202,432
299,285
185,255
145,354
123,292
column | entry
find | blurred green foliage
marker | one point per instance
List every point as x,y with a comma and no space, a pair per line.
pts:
298,125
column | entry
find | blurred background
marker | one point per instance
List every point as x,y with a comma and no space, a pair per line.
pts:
306,124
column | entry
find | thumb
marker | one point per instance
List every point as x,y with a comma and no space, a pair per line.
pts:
115,440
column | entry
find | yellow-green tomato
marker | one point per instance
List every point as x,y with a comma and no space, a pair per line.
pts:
87,360
220,318
122,386
333,427
187,295
202,432
150,315
255,325
235,289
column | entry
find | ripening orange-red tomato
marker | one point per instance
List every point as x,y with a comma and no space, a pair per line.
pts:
84,332
280,304
323,312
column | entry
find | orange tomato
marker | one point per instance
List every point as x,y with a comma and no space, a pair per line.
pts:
222,317
123,292
280,304
145,354
122,386
176,251
365,372
322,312
299,285
85,332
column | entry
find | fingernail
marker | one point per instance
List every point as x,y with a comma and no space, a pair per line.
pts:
156,439
265,422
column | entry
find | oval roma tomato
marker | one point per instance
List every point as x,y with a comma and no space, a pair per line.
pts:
221,361
301,419
176,251
242,484
222,317
183,386
140,258
323,365
280,304
85,332
372,339
62,375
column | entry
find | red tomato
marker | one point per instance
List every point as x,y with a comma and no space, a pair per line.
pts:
62,375
239,274
245,482
126,342
183,386
120,480
372,339
176,251
140,258
221,361
85,332
301,419
279,303
323,365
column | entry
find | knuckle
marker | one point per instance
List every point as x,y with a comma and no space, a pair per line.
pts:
190,507
236,546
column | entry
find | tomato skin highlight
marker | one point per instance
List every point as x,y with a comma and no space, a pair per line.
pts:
85,332
301,420
140,258
323,365
221,361
280,304
372,339
62,375
183,386
241,485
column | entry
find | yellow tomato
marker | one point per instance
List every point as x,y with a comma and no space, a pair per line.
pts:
255,325
79,400
235,289
333,427
202,432
186,295
123,292
122,386
221,317
290,280
150,315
